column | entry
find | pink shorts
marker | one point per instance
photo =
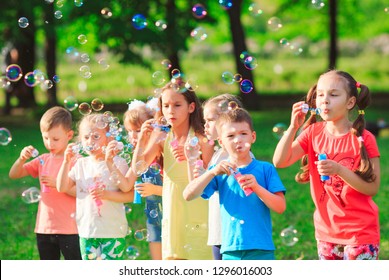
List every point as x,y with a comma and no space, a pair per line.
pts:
331,251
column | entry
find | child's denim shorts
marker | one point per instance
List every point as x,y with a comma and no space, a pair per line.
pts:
153,211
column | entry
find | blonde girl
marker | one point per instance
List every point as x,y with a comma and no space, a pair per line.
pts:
138,112
100,214
346,217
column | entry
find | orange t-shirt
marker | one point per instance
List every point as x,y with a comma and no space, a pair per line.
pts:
56,211
343,215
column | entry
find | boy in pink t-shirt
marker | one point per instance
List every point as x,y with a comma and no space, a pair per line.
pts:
55,228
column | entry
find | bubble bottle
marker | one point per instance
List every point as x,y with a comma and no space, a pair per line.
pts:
34,154
137,197
98,202
323,157
236,173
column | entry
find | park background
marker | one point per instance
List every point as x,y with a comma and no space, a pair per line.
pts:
96,50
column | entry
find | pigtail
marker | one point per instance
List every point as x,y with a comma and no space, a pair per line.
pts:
303,175
363,100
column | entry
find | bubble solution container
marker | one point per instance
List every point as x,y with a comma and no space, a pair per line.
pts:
137,197
323,157
237,174
34,153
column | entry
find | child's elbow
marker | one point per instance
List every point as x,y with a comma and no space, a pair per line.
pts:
187,195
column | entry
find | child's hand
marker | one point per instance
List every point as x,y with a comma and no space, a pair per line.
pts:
178,153
97,192
328,167
69,154
49,181
146,129
26,153
145,189
248,181
111,151
223,167
199,169
298,116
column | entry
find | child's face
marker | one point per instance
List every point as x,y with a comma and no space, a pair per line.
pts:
133,132
210,117
56,139
175,108
237,139
93,139
332,97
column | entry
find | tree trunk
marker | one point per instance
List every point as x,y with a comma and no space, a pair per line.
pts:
250,100
25,46
50,54
171,33
333,54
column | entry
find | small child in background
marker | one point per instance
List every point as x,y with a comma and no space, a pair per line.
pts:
151,187
246,219
213,108
98,179
55,228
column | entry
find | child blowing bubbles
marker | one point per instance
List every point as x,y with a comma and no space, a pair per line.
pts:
184,225
100,217
346,217
56,230
213,108
246,220
138,112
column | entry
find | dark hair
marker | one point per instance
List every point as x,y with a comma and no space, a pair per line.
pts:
363,100
54,117
196,119
238,115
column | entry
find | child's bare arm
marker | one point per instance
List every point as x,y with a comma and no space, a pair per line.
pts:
275,201
196,187
17,170
116,196
64,183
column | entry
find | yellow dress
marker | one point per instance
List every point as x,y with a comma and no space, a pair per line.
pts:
184,223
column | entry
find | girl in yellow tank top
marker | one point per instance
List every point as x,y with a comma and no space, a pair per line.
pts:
184,224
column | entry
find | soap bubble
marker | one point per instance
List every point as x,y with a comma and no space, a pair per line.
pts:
246,86
31,195
141,167
23,22
274,23
106,13
279,130
84,108
13,72
289,236
199,11
70,103
228,78
30,80
5,136
97,104
132,252
139,21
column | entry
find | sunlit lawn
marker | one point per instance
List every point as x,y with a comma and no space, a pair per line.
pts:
17,218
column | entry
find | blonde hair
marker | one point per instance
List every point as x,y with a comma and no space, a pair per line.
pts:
138,115
214,102
56,116
92,120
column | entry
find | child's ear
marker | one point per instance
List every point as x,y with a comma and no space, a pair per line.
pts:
351,102
192,107
220,141
254,135
70,134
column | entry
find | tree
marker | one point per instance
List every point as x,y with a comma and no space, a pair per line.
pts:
250,100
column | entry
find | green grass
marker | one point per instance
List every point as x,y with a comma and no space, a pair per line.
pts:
17,219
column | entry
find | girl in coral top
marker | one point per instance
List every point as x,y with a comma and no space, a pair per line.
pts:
340,159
